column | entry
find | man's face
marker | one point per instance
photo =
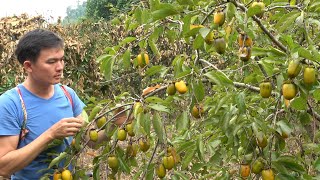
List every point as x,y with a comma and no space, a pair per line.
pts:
48,69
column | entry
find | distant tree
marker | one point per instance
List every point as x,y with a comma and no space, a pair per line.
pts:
74,14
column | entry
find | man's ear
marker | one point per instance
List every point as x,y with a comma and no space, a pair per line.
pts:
27,66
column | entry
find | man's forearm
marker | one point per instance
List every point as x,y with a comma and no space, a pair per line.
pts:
20,158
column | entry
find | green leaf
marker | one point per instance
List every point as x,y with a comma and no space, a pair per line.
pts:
155,69
138,15
165,11
182,174
158,126
159,107
316,94
84,116
188,157
219,78
305,54
317,164
287,20
127,40
58,159
150,172
299,103
154,48
123,164
200,148
198,90
107,67
198,42
182,121
185,2
254,10
126,59
240,100
290,162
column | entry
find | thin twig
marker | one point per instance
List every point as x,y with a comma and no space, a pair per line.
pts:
150,160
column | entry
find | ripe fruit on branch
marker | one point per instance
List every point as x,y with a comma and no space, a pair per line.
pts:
132,150
197,111
93,134
171,89
113,162
261,5
294,68
262,140
257,166
57,175
244,40
122,135
181,87
309,75
143,59
129,129
144,144
100,122
161,171
289,90
220,45
168,162
265,89
245,53
193,26
209,38
66,175
244,170
219,18
267,174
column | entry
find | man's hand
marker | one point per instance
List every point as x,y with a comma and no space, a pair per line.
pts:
65,127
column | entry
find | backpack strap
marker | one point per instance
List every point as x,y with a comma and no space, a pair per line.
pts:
24,130
66,92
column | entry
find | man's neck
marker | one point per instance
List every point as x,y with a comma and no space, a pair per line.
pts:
42,90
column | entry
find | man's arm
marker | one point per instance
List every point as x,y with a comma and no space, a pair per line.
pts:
13,160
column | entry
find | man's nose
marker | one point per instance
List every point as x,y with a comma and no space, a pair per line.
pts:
60,65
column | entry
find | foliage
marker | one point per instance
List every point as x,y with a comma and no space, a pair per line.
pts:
74,14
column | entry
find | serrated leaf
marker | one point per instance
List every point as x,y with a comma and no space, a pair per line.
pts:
158,126
299,103
219,78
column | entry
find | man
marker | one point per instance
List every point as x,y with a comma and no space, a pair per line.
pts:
49,110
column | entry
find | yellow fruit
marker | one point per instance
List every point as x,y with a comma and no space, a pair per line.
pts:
129,128
257,166
289,91
143,59
267,174
209,38
262,140
73,142
261,5
122,135
245,53
197,111
100,122
220,45
57,175
93,135
171,89
132,150
181,87
66,175
144,144
113,162
219,18
244,40
244,170
294,68
161,171
168,162
309,75
265,89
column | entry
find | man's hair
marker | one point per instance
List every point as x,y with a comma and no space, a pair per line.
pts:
31,44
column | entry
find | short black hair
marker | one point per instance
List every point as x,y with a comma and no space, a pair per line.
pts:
31,44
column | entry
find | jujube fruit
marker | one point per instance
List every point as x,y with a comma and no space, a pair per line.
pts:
171,89
244,170
66,175
309,75
267,174
161,171
168,162
122,135
265,89
143,59
289,91
219,18
181,87
113,162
